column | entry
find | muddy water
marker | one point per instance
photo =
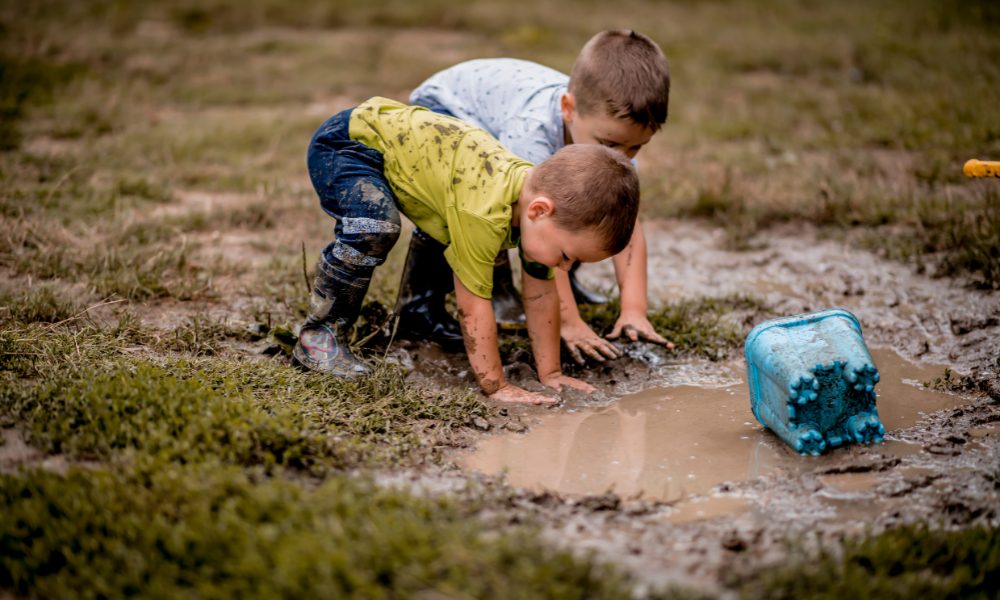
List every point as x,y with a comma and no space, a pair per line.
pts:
678,442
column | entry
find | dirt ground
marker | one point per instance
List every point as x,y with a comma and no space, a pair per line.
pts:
948,477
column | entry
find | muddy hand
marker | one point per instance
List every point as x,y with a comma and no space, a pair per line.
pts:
581,340
638,328
512,393
558,381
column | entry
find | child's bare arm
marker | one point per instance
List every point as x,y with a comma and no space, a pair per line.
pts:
541,307
479,331
630,271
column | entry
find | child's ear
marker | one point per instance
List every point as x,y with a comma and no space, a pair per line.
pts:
541,206
568,106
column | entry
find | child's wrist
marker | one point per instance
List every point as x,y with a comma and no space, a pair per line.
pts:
549,376
492,385
638,309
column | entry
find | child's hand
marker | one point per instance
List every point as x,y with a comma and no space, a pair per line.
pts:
580,339
560,380
637,327
512,393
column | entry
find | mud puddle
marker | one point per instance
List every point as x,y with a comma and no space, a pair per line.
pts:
678,444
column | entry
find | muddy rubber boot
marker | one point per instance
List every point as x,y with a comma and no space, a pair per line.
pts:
333,307
426,282
507,305
581,294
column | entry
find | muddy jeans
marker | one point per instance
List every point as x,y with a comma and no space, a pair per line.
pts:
352,189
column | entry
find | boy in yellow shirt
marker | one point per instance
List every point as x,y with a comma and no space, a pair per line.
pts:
468,193
617,95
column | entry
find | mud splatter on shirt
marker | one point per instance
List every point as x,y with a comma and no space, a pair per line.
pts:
453,180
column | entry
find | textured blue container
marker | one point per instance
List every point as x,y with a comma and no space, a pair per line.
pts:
812,380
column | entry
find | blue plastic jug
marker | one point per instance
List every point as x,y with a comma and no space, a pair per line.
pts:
812,380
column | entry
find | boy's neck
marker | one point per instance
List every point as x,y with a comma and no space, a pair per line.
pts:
523,198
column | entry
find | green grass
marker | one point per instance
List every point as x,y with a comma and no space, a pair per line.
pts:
78,390
169,531
37,304
143,408
136,262
945,231
230,477
908,562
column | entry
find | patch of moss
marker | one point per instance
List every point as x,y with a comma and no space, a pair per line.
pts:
171,531
909,562
143,408
88,397
382,408
707,327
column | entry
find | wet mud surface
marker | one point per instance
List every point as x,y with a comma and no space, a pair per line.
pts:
678,443
667,472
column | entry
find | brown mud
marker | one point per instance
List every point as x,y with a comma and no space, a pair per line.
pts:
614,473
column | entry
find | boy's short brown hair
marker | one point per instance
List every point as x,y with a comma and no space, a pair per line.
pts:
593,188
624,74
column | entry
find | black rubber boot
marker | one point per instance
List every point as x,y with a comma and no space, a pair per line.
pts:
581,294
333,308
426,282
507,305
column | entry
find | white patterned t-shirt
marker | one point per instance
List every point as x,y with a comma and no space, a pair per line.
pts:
516,101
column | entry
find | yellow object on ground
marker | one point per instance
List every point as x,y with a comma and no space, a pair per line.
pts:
981,168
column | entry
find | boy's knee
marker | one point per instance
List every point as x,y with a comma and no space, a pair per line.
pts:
366,241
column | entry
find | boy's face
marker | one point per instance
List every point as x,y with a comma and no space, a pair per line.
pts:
545,242
621,134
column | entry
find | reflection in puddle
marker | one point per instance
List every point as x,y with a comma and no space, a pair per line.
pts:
672,443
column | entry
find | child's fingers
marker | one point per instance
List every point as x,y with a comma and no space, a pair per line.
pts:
592,352
608,349
652,336
598,349
576,384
